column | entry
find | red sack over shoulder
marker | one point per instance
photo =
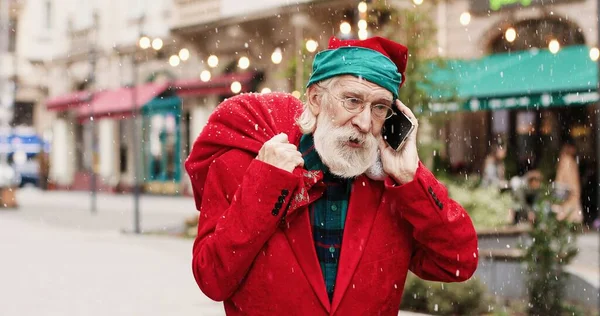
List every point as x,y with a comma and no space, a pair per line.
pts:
242,122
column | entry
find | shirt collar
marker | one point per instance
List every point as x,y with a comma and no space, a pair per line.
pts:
312,160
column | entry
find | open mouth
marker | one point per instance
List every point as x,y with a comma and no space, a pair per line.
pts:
355,142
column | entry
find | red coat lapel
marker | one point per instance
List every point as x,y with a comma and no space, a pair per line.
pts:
298,232
299,235
362,208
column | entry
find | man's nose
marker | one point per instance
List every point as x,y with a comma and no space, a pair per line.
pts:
362,120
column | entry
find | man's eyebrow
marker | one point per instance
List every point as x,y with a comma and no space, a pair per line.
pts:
383,99
362,94
353,94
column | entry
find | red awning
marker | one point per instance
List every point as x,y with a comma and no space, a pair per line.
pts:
218,85
68,101
119,102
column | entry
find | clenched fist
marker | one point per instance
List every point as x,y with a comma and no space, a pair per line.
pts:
278,152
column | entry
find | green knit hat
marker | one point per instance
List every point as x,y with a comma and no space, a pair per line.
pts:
376,59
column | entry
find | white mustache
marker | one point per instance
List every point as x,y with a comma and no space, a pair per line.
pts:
352,135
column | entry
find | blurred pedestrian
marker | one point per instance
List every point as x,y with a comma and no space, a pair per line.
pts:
305,210
567,179
493,169
526,191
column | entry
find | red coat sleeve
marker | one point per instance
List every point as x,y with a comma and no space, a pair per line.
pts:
445,239
239,214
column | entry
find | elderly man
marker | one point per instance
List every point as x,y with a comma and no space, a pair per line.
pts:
305,210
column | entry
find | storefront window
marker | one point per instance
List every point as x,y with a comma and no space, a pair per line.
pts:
162,138
162,145
549,138
500,127
526,140
156,127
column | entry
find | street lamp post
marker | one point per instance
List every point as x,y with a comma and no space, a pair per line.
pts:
156,45
134,133
136,164
91,84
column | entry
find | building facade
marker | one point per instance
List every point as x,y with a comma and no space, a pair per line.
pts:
527,81
212,49
102,50
476,29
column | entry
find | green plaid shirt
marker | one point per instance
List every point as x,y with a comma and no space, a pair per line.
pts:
328,214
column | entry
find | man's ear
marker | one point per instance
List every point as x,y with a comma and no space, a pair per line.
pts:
314,99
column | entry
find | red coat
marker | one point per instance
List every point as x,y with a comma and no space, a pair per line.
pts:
259,261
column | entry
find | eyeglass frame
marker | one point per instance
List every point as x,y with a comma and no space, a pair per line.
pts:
363,106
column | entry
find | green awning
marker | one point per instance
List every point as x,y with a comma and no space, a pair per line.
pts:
525,79
171,104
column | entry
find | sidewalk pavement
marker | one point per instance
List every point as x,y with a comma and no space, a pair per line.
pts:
72,209
50,269
586,264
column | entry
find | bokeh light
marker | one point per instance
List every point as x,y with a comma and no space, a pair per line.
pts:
554,46
205,75
311,45
244,62
213,61
276,57
236,87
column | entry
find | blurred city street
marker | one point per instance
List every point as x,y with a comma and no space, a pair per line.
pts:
58,259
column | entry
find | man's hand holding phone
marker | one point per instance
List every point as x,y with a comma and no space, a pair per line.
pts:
401,163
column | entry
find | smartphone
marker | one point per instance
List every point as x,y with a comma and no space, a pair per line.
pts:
396,129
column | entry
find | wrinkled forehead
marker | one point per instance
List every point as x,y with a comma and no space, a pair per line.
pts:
362,87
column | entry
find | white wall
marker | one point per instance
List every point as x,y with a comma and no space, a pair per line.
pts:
62,154
198,118
107,146
35,41
236,8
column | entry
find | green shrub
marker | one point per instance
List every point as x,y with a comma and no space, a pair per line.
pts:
487,207
466,298
552,248
415,296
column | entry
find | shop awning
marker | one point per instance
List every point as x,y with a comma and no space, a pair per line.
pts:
526,79
119,102
68,101
220,85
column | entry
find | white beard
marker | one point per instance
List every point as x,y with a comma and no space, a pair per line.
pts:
331,143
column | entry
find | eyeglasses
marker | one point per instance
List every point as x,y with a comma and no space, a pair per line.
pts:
357,105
